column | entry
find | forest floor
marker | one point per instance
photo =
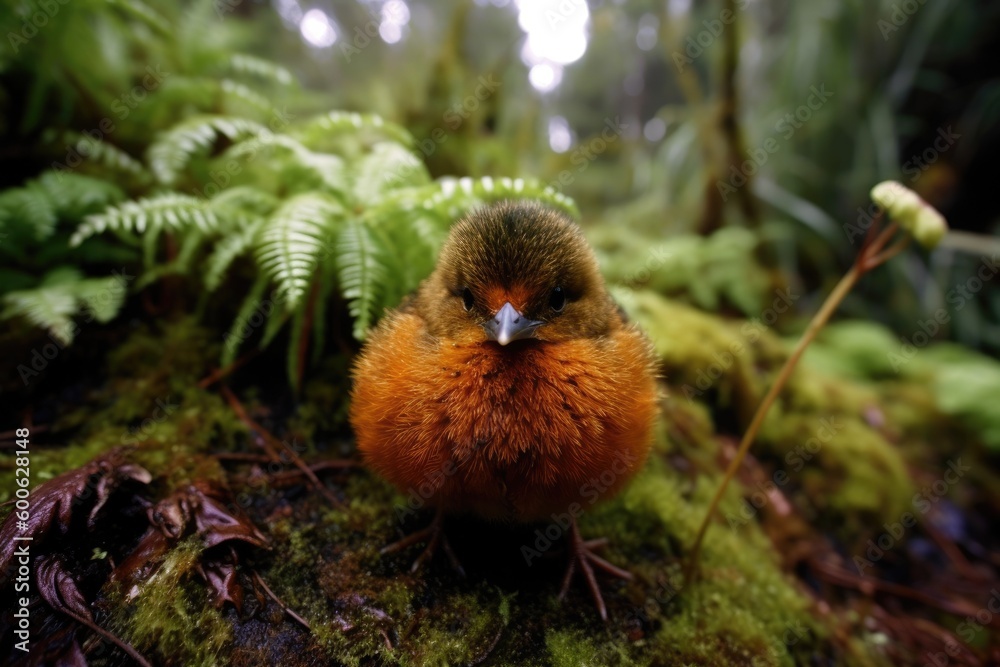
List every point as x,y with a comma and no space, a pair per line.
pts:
192,518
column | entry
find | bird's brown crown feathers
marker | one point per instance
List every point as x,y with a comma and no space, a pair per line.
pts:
517,252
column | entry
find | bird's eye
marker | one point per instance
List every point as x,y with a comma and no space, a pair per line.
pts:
558,299
467,299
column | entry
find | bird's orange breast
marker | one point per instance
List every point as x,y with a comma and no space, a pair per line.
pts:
516,432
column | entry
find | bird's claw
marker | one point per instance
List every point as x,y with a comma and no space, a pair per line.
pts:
434,536
582,555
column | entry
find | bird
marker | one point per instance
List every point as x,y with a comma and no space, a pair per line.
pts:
509,385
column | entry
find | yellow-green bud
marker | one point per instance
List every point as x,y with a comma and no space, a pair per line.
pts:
912,213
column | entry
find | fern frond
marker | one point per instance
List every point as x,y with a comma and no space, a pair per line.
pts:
75,195
328,171
172,151
144,13
292,241
387,167
338,123
242,63
30,209
234,90
455,197
226,252
61,295
241,328
164,212
245,198
103,153
103,297
362,271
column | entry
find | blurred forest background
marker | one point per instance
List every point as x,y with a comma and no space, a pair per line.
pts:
694,127
206,204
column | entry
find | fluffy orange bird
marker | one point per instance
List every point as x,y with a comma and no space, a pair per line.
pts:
508,383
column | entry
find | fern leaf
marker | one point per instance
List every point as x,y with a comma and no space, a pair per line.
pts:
245,199
292,241
164,212
242,328
75,195
243,63
239,92
51,309
104,153
62,294
29,210
144,13
172,151
387,167
103,297
360,261
226,252
455,197
339,123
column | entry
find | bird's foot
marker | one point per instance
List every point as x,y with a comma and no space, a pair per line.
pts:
582,555
434,536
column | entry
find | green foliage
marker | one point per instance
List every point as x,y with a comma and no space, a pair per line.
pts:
63,294
338,202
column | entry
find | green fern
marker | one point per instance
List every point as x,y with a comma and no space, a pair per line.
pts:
243,63
293,239
341,203
63,294
361,264
103,153
169,211
173,150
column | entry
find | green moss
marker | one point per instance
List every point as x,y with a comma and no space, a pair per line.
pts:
170,619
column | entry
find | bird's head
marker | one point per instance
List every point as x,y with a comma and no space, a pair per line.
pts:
515,271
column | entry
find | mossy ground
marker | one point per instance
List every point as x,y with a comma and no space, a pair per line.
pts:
846,448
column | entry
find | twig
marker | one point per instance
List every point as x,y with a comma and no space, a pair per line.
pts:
268,440
220,373
866,261
288,610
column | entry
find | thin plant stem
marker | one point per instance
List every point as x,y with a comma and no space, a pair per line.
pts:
845,285
871,255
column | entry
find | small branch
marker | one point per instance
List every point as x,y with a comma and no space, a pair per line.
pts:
871,255
221,373
268,441
288,610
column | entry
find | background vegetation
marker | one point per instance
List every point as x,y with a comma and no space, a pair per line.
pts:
211,202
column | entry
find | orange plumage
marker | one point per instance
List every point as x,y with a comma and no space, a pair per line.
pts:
510,385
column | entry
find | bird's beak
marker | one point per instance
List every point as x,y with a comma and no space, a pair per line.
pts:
509,325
